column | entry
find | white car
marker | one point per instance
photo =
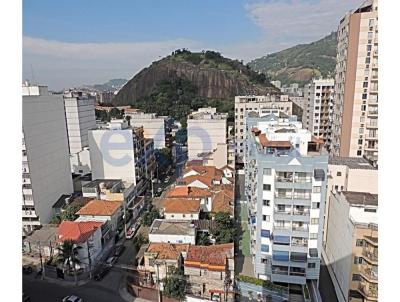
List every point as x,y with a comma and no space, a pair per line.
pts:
131,232
72,298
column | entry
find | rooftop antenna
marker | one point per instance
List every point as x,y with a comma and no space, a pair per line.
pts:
33,76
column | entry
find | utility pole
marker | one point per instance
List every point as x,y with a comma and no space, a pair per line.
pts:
90,260
158,283
152,185
41,260
123,202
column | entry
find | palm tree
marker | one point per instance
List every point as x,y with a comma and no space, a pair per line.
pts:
67,254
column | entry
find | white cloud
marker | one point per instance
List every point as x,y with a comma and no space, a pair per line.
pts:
289,22
63,64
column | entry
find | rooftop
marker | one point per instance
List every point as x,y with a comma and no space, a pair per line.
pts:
204,224
100,208
45,234
172,227
352,162
213,257
79,232
107,183
361,198
167,250
184,206
223,202
191,192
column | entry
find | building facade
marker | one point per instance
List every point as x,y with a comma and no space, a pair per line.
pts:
262,105
206,129
319,94
285,187
155,127
355,122
45,157
351,248
121,153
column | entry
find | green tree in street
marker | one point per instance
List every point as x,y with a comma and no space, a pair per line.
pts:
226,229
67,255
203,239
149,216
139,240
175,284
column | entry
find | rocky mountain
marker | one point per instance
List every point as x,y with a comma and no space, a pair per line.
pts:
301,62
210,74
110,85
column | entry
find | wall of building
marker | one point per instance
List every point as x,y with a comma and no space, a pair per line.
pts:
154,127
46,143
166,238
181,216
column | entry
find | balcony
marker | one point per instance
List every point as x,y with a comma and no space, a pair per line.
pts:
284,179
305,212
282,227
371,255
368,273
300,242
281,212
368,291
300,228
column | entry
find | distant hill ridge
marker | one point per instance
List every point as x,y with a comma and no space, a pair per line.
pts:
300,63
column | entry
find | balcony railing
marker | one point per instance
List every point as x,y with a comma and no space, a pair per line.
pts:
282,227
368,291
301,243
302,228
283,195
373,256
302,196
282,212
368,272
303,213
283,179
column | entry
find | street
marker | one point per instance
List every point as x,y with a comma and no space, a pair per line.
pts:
326,288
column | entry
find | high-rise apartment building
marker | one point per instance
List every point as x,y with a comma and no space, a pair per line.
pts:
262,105
285,187
45,158
351,248
155,127
319,94
206,129
80,118
355,122
121,152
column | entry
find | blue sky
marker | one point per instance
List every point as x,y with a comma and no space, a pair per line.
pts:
71,42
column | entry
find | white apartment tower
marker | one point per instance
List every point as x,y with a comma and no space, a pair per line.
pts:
205,130
319,94
285,187
262,105
355,122
45,158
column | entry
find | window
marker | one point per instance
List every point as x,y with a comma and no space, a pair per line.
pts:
359,152
370,210
367,60
265,233
315,205
265,218
314,220
363,107
339,174
358,260
172,215
265,248
364,96
311,265
359,242
266,202
267,187
317,189
369,47
267,171
183,215
336,187
264,260
313,235
365,84
360,141
356,277
280,256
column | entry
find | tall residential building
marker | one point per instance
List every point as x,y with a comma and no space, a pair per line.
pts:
354,174
319,94
80,118
45,158
355,122
155,127
285,187
262,105
206,129
351,248
121,152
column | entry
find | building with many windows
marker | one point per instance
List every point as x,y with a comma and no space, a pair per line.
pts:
285,187
351,248
45,157
355,121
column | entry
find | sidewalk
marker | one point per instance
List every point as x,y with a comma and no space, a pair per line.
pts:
123,292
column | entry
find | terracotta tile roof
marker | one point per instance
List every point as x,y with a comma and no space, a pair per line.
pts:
211,257
180,205
100,208
77,231
207,180
191,192
222,202
209,171
265,142
167,250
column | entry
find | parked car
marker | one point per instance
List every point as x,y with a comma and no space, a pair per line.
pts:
27,269
72,298
102,272
25,298
131,232
110,261
119,250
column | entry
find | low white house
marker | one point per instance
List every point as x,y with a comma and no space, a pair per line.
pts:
87,236
172,231
181,208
